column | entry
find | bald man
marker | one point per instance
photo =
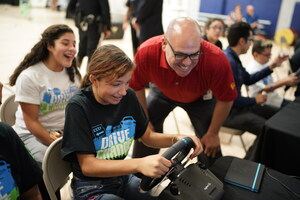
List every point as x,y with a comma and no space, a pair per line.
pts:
188,72
251,18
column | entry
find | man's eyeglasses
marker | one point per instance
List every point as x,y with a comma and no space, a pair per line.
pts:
182,56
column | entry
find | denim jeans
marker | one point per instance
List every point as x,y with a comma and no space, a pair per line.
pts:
116,188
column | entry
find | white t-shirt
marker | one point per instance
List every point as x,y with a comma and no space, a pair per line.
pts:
48,89
273,98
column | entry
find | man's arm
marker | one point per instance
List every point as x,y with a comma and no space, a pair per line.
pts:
141,95
1,86
211,140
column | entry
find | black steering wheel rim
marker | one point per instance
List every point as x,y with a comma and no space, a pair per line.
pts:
181,148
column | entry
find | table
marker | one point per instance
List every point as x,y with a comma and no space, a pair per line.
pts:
269,189
279,145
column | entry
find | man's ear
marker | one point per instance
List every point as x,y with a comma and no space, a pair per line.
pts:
164,44
242,41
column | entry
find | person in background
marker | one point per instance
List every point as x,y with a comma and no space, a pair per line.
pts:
252,18
295,64
214,29
45,80
130,14
92,18
234,16
247,113
261,52
19,172
148,20
71,8
54,5
102,121
185,71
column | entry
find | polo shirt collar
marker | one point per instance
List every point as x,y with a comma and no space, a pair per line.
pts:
163,61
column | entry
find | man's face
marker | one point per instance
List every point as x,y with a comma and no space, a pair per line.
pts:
247,43
250,11
182,55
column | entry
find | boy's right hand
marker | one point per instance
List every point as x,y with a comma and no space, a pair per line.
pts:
154,166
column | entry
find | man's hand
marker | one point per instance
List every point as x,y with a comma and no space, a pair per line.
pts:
135,25
211,144
1,86
261,98
107,33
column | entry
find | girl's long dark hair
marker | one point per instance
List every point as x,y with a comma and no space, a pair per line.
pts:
39,52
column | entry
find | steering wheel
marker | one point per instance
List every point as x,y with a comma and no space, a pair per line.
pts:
182,147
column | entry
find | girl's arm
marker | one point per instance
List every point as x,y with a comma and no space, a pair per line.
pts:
30,115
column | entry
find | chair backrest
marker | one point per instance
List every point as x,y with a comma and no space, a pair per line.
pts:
55,170
8,110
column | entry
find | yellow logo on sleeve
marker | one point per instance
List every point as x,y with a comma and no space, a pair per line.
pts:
232,85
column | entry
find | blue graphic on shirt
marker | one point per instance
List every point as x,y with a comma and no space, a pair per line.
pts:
268,80
8,187
56,99
114,142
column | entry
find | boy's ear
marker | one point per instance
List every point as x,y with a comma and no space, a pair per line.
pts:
92,78
255,54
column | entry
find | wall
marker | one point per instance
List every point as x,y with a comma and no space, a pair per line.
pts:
226,6
285,13
295,24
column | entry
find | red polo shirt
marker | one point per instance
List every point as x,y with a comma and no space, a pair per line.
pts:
213,72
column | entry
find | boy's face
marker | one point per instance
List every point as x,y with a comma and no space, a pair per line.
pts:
263,57
111,92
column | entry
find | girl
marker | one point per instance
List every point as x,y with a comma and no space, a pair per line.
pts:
214,29
102,121
45,80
